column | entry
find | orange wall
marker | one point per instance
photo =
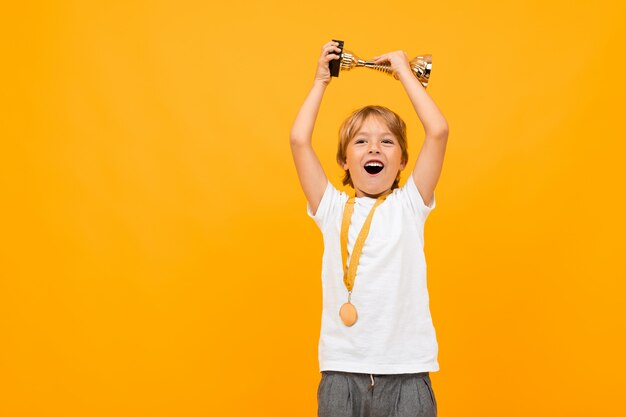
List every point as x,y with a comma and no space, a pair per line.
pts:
156,255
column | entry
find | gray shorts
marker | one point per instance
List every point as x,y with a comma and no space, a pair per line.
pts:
348,394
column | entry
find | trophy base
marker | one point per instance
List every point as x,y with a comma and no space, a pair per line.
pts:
335,64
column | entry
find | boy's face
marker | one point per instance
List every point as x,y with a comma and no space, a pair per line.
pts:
373,157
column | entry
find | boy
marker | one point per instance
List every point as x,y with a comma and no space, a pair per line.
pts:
373,243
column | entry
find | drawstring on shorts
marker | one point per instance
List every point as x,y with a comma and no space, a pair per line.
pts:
371,386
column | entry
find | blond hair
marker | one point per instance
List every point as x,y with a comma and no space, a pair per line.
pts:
352,125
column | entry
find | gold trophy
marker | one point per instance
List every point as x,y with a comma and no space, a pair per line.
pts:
420,65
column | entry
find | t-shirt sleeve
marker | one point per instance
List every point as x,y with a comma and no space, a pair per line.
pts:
330,203
412,196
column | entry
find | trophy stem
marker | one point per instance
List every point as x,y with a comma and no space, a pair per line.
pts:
378,67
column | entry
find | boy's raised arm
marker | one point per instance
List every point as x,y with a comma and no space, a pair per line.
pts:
430,159
310,172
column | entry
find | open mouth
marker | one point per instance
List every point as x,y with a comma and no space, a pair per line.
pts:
374,167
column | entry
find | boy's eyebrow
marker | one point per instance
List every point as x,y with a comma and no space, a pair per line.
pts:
361,132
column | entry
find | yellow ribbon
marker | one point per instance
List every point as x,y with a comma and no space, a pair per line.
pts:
349,272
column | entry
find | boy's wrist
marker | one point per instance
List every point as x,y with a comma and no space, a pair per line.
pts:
406,74
409,80
320,83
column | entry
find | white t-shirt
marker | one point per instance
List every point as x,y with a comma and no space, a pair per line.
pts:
394,332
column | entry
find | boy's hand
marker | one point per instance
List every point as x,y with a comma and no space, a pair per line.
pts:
329,52
398,60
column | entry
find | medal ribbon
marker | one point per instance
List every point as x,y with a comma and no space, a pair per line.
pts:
349,272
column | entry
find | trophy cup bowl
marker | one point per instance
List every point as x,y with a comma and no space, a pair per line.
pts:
420,65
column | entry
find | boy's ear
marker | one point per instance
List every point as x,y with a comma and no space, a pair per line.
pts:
344,165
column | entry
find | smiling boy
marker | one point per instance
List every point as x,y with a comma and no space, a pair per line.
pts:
376,318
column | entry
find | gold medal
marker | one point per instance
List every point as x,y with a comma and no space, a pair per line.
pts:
347,312
348,315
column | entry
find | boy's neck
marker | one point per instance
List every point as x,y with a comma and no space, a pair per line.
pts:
359,193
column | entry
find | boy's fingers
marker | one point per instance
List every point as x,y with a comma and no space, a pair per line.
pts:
330,53
327,58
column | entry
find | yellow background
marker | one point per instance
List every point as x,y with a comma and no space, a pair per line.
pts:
157,259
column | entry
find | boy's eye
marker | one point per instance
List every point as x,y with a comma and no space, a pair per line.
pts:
387,141
359,141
